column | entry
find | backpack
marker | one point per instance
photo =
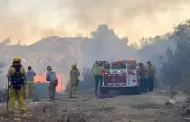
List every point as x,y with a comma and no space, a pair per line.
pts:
17,79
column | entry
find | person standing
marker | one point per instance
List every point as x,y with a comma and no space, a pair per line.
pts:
151,76
97,71
53,82
16,76
74,81
30,74
143,77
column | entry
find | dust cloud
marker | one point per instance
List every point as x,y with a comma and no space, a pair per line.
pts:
30,21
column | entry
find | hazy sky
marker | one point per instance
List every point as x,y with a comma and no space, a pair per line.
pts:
31,20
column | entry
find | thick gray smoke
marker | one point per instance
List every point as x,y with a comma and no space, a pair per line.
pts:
105,45
30,21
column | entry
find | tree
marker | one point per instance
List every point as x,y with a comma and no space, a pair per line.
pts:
104,44
176,67
135,45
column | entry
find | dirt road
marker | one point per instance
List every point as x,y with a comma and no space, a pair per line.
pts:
149,107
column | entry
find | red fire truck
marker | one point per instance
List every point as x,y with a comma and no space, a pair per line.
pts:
120,75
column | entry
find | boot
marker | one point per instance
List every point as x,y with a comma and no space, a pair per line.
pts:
22,112
10,113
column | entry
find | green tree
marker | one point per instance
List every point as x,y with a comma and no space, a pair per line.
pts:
176,68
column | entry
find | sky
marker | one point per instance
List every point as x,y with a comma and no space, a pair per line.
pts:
30,20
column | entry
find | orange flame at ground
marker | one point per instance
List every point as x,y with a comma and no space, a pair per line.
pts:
41,78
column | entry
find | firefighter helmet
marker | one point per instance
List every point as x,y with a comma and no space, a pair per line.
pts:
16,59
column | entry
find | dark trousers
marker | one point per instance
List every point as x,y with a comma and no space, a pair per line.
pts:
98,78
52,91
150,84
144,85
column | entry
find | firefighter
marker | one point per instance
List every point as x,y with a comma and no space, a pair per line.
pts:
97,71
30,74
16,76
77,82
53,82
143,77
74,81
151,76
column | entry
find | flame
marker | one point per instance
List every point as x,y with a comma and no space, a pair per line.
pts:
42,79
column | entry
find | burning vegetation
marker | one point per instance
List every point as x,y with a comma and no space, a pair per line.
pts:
61,83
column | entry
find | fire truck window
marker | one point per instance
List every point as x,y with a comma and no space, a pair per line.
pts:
106,66
131,65
118,65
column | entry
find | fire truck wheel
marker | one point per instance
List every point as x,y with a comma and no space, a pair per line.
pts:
138,90
104,90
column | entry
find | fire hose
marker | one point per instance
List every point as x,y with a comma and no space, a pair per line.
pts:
71,100
44,108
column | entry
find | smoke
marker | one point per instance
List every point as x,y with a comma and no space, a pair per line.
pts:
30,21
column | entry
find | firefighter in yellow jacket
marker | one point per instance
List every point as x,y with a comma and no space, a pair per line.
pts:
74,81
97,71
151,76
142,71
16,76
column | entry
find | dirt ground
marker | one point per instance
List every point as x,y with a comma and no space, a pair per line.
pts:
149,107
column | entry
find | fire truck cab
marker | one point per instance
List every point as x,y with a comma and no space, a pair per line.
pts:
120,75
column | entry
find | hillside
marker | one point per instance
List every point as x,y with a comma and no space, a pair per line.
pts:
104,44
58,52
